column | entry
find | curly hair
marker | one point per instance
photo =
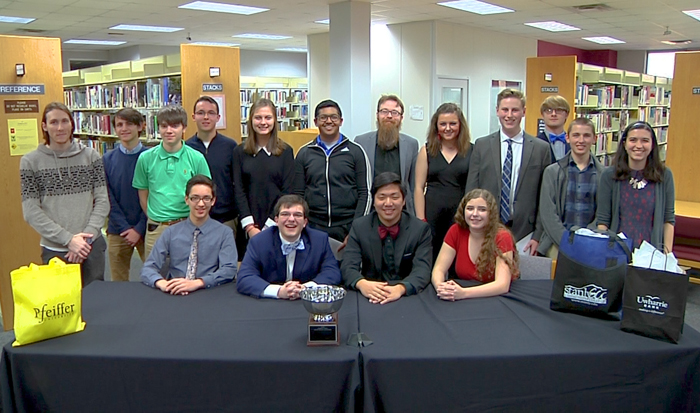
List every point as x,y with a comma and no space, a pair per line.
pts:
275,145
433,143
486,261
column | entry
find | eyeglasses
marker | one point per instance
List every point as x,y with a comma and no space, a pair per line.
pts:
386,112
549,111
197,198
201,113
296,215
324,118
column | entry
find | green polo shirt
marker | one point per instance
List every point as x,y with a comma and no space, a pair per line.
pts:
165,175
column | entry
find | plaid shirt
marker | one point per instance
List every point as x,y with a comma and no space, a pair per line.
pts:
580,195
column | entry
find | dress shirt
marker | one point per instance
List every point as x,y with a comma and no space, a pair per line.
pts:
558,147
517,147
245,221
216,264
125,151
272,289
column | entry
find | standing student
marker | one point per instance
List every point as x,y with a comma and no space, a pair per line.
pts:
481,248
218,151
568,196
387,149
441,171
555,110
636,194
162,173
127,221
264,171
64,195
333,175
509,164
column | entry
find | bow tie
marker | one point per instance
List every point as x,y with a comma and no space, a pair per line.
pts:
561,138
296,245
392,230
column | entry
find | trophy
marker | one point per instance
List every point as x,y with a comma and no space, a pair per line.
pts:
323,302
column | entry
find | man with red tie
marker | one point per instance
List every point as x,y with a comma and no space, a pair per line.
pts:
389,252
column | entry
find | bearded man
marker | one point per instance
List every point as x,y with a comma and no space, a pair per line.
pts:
389,150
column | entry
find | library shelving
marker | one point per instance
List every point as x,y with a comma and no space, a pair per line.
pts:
96,94
290,96
611,98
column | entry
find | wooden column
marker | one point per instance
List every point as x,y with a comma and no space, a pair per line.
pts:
20,243
195,61
563,77
683,149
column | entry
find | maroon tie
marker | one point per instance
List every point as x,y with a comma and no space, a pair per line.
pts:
392,230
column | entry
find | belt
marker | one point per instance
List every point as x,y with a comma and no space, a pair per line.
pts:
173,222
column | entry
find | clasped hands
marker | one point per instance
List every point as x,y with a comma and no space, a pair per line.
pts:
179,286
379,292
449,291
79,247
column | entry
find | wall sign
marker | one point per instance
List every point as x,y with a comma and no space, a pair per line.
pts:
549,89
21,106
696,90
23,89
23,134
212,87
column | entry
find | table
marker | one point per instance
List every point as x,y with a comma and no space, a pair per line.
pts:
214,350
512,353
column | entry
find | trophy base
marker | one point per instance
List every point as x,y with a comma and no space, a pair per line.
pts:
323,333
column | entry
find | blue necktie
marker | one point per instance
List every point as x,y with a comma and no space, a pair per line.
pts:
505,183
561,137
296,245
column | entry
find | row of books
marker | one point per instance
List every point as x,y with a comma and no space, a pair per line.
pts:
607,96
606,143
282,125
654,95
604,121
279,97
101,124
654,115
149,93
100,146
282,112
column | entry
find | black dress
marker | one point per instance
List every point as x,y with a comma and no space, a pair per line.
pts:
446,183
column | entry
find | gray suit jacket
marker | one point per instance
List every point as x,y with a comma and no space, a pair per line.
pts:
408,152
485,173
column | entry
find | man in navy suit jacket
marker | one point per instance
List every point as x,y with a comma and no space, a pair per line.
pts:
281,260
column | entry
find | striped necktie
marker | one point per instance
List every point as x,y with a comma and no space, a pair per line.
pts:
506,182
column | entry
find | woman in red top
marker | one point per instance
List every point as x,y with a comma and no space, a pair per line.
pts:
483,247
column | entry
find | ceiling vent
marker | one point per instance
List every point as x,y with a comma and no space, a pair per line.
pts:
31,31
592,7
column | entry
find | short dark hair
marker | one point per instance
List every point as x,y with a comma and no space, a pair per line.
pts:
56,106
130,115
387,178
287,201
581,122
172,115
327,104
200,180
208,99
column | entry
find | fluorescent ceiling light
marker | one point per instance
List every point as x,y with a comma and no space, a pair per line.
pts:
676,42
475,6
138,28
261,36
324,21
95,42
216,44
552,26
292,49
222,7
693,13
20,20
603,40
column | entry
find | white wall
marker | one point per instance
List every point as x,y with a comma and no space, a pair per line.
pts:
481,56
319,70
273,64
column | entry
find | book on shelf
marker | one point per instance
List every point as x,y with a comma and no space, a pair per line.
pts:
147,93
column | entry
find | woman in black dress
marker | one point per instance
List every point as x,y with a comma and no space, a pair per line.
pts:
441,171
265,171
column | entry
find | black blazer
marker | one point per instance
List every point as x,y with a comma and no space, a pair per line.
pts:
413,253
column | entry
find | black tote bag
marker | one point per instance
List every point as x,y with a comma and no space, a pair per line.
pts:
582,289
653,303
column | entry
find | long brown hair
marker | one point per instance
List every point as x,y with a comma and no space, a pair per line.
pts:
56,106
653,170
275,146
433,143
486,261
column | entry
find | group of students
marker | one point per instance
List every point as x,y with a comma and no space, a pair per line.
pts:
191,208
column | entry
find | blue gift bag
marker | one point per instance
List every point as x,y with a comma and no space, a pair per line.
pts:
596,252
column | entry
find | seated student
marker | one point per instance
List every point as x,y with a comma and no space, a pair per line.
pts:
477,235
201,250
389,252
568,193
283,259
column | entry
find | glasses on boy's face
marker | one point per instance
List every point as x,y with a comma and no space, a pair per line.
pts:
387,112
549,111
296,215
195,199
202,113
333,118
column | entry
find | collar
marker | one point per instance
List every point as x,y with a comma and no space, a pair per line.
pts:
163,154
516,139
572,162
322,144
263,148
204,228
125,151
284,241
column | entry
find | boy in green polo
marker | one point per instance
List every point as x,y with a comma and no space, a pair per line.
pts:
162,173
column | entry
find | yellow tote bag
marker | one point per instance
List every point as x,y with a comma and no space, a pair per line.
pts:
47,301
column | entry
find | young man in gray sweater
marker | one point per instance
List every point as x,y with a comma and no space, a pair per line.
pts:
64,195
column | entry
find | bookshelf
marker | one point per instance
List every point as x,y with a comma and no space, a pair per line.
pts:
290,95
96,94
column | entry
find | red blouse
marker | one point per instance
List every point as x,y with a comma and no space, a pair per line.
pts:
458,238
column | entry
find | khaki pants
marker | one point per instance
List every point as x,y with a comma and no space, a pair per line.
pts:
553,252
120,256
152,236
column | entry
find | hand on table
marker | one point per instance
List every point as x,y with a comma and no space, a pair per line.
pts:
179,286
379,292
450,291
290,290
